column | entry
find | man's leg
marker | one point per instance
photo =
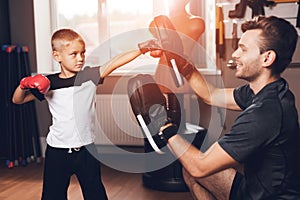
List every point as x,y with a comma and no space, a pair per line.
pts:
197,191
216,186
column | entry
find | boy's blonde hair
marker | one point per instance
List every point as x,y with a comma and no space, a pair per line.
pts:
63,37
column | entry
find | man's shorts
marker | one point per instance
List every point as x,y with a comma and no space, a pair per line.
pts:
239,189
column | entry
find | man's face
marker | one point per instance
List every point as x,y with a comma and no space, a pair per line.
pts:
248,57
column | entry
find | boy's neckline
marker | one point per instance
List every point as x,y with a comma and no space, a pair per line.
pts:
61,76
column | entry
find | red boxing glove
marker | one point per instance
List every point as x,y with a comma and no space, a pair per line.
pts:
156,53
149,45
38,81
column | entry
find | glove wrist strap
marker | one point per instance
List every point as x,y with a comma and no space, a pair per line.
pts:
187,69
167,133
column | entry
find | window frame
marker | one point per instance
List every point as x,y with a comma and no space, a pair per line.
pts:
45,24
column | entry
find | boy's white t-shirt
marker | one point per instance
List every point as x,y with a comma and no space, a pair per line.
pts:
72,106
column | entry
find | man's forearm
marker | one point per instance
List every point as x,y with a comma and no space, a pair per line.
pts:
197,163
188,155
211,95
200,86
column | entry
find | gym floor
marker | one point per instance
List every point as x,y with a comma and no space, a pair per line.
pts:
25,182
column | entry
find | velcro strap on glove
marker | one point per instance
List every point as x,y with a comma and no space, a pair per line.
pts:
167,133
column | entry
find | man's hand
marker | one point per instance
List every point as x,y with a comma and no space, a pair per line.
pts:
167,36
167,131
149,105
171,44
167,39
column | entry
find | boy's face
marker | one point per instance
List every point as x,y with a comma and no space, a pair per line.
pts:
71,57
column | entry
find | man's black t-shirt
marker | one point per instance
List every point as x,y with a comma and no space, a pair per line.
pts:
265,138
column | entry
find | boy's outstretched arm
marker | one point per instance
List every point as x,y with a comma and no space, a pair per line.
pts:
119,61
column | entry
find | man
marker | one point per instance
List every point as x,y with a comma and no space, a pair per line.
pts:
264,137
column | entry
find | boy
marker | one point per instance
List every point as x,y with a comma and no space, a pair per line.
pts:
71,98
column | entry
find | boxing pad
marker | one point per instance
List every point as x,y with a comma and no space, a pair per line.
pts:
167,35
171,44
149,106
39,82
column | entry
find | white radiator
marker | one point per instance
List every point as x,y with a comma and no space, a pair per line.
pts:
116,122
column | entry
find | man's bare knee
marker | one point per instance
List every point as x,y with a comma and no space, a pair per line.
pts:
188,179
196,189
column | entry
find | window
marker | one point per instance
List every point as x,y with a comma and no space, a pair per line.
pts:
109,27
